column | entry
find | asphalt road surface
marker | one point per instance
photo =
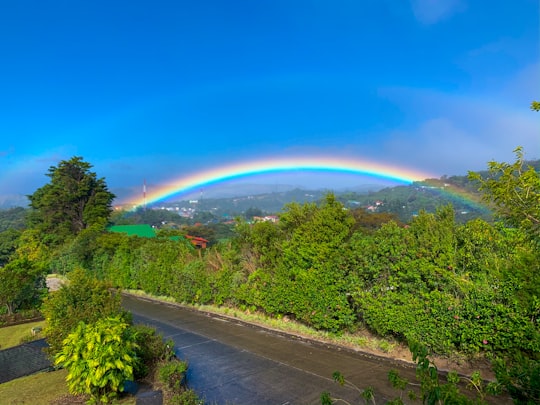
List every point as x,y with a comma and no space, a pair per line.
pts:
235,363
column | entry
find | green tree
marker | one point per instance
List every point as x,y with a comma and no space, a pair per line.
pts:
310,280
73,200
253,212
82,298
368,222
514,190
535,106
8,245
99,358
23,260
18,279
260,245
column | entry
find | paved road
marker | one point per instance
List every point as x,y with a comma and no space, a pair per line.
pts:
234,363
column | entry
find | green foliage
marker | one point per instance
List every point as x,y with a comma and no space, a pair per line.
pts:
192,284
514,189
114,259
535,105
20,281
446,285
520,375
151,350
224,274
433,391
297,269
99,358
73,200
403,203
9,241
32,247
82,299
173,374
370,221
261,245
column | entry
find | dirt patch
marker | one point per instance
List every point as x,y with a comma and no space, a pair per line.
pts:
69,399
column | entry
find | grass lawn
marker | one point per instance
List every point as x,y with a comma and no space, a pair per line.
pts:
38,389
42,389
11,335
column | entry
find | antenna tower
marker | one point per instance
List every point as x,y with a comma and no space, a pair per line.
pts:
144,194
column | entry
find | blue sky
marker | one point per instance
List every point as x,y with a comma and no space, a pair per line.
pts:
153,90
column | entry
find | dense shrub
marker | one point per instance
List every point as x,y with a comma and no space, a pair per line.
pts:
82,299
173,375
151,349
99,358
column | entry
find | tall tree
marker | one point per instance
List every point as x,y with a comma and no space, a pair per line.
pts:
18,278
73,200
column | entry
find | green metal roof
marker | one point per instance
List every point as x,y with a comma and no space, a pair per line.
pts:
142,230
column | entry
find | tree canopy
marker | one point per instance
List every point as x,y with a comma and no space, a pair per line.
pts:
73,200
514,189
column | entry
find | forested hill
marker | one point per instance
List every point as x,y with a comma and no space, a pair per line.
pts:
407,201
403,201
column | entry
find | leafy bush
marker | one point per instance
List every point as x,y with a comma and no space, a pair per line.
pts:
192,284
99,358
82,299
173,374
520,375
151,349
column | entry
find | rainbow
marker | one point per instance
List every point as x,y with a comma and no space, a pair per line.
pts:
192,182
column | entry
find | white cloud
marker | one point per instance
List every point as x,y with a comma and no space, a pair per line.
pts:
432,11
455,134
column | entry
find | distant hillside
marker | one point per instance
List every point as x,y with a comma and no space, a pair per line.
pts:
231,207
403,201
408,201
13,218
